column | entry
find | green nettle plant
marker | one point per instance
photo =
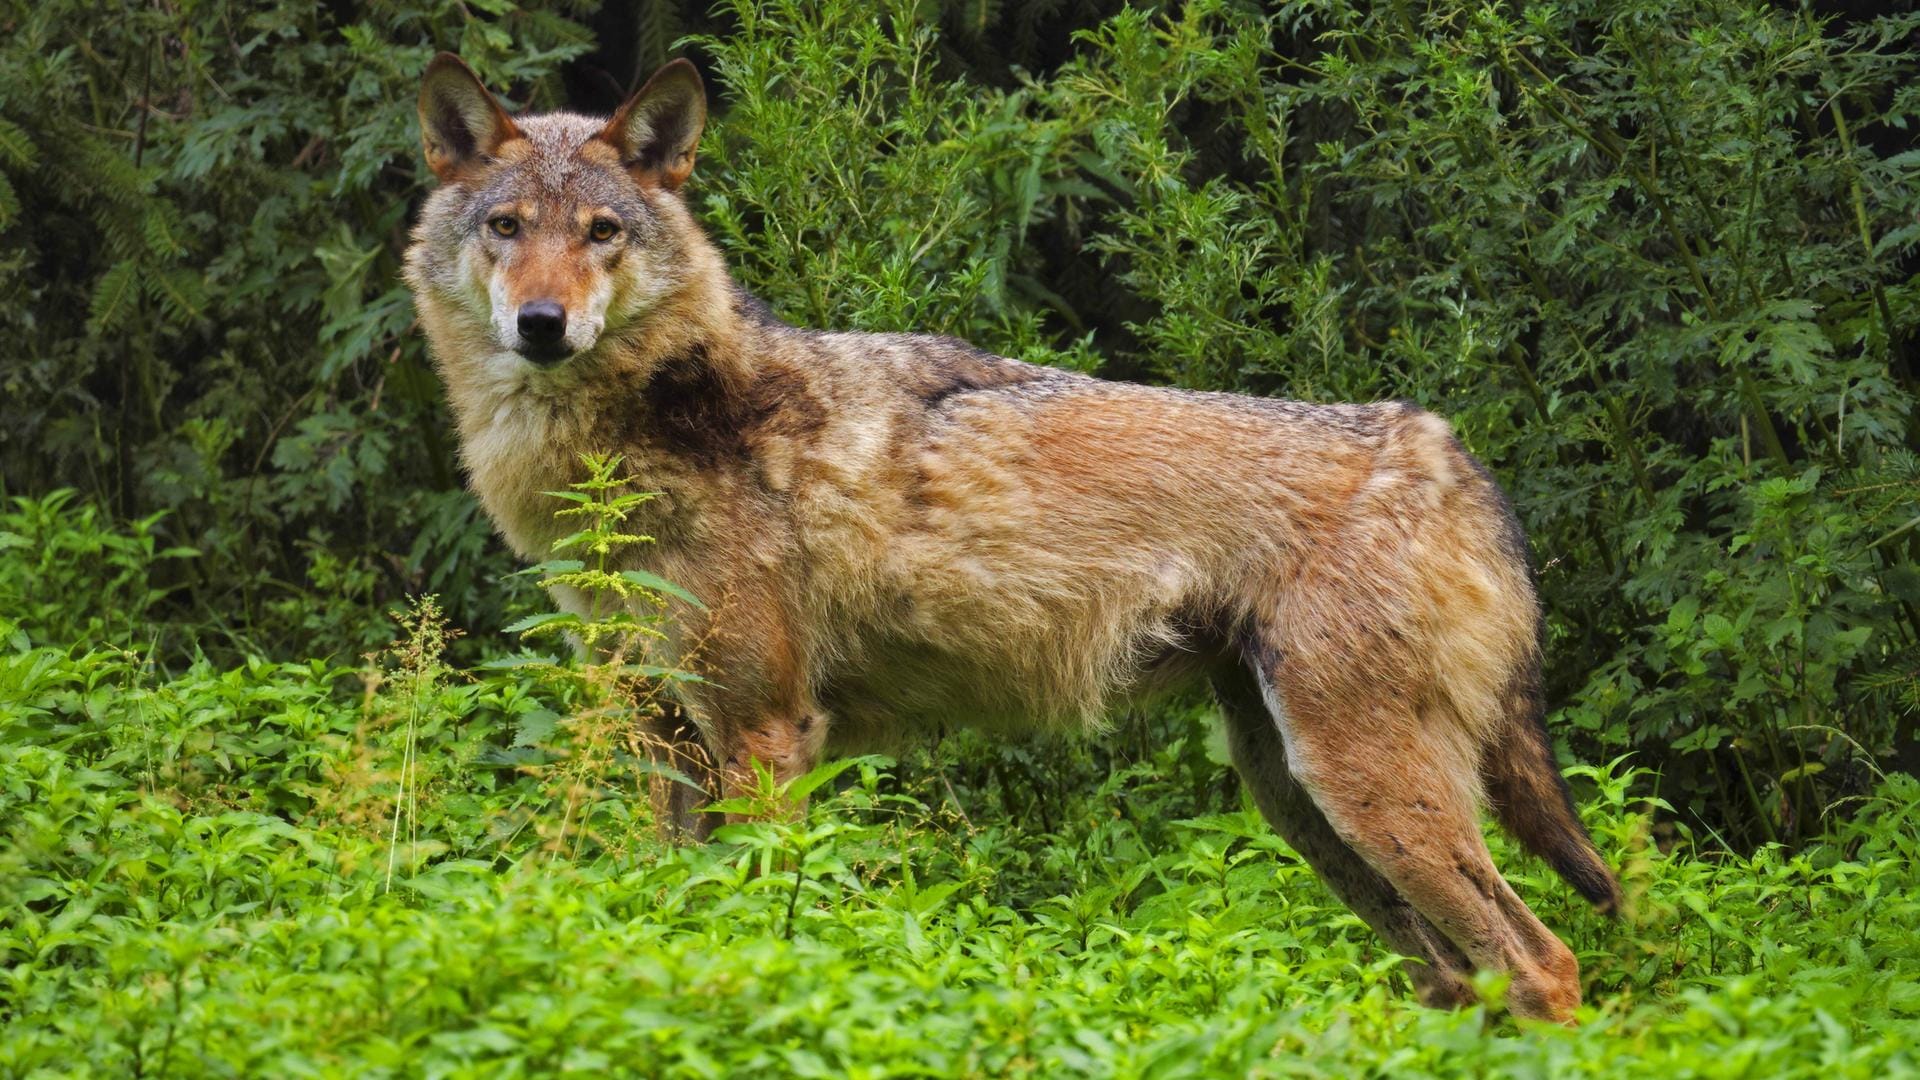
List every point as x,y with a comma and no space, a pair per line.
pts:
619,681
623,609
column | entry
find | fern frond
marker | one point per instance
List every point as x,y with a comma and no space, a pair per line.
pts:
16,148
113,296
181,296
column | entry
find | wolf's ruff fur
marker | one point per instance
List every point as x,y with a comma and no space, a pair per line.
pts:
899,531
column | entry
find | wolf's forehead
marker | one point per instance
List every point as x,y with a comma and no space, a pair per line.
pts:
553,169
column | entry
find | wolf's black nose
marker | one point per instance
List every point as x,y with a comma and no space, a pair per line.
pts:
542,322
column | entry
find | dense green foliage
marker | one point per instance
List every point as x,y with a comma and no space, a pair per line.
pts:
1656,262
400,869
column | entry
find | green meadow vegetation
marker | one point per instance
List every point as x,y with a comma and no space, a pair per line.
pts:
299,774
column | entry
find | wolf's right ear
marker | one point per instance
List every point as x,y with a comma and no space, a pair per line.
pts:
460,123
658,128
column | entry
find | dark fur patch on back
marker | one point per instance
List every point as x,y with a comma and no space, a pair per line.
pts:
780,402
687,407
689,410
941,372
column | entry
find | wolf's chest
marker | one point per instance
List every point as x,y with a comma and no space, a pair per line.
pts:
514,456
517,455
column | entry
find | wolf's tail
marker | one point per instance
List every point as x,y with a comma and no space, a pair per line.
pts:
1530,798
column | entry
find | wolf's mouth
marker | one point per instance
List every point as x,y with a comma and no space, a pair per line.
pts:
545,355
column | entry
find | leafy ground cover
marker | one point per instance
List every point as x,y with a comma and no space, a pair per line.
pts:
395,867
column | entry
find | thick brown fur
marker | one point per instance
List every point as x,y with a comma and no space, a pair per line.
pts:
896,532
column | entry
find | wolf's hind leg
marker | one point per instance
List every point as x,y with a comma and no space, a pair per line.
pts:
1440,970
1397,785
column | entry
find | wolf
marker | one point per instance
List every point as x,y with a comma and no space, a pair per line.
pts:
909,532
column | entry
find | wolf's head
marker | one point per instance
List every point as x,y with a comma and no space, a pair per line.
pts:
551,234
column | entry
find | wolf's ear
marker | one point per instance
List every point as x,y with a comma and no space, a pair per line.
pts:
658,128
460,123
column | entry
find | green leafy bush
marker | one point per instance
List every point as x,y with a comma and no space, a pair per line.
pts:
203,213
1649,261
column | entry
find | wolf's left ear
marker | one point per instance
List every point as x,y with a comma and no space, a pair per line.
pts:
460,123
659,127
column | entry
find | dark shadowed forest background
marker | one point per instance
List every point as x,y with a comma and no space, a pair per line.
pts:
1656,262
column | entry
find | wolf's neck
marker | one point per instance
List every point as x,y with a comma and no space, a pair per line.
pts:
699,319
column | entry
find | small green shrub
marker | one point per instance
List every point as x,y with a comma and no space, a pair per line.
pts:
68,575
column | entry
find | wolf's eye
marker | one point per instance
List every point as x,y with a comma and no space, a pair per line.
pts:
505,226
603,230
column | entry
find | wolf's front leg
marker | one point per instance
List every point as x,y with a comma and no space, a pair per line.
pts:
757,708
727,761
785,743
673,742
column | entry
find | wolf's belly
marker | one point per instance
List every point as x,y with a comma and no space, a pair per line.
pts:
898,688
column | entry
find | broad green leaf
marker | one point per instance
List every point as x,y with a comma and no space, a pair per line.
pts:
543,619
659,584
